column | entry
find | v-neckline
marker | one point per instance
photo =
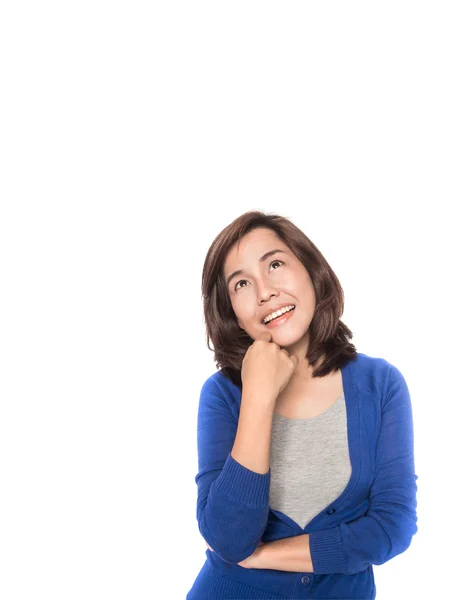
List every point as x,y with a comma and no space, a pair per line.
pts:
352,402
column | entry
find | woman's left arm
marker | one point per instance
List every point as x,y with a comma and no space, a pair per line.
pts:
389,524
286,554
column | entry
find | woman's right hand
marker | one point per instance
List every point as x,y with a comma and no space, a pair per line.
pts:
266,367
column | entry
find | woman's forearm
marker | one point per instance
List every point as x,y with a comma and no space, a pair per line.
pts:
287,554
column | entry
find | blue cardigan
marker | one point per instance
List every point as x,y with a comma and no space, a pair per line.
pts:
371,521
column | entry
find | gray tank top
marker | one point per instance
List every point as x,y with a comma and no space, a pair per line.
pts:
309,462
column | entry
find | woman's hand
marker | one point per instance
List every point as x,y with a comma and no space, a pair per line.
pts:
252,561
267,367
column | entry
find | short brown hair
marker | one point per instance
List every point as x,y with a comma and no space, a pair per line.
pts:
329,336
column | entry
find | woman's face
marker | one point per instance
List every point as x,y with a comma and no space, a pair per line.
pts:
280,279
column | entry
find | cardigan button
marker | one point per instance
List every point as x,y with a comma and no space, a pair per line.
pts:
330,511
305,580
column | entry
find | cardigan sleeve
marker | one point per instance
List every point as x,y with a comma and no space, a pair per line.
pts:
232,501
389,524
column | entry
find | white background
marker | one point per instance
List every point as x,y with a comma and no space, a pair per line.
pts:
131,134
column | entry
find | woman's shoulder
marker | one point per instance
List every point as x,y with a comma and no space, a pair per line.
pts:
366,371
374,371
220,380
221,388
373,362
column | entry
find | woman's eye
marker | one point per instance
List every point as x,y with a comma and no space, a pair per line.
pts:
273,262
277,261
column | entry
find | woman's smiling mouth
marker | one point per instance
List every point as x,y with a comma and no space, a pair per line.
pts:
281,319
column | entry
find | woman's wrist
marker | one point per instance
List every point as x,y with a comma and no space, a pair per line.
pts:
261,555
285,554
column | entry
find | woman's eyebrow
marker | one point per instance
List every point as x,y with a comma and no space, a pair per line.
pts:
261,259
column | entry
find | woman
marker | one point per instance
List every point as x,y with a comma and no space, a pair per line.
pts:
305,446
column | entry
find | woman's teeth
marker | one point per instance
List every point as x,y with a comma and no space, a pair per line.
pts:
278,313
